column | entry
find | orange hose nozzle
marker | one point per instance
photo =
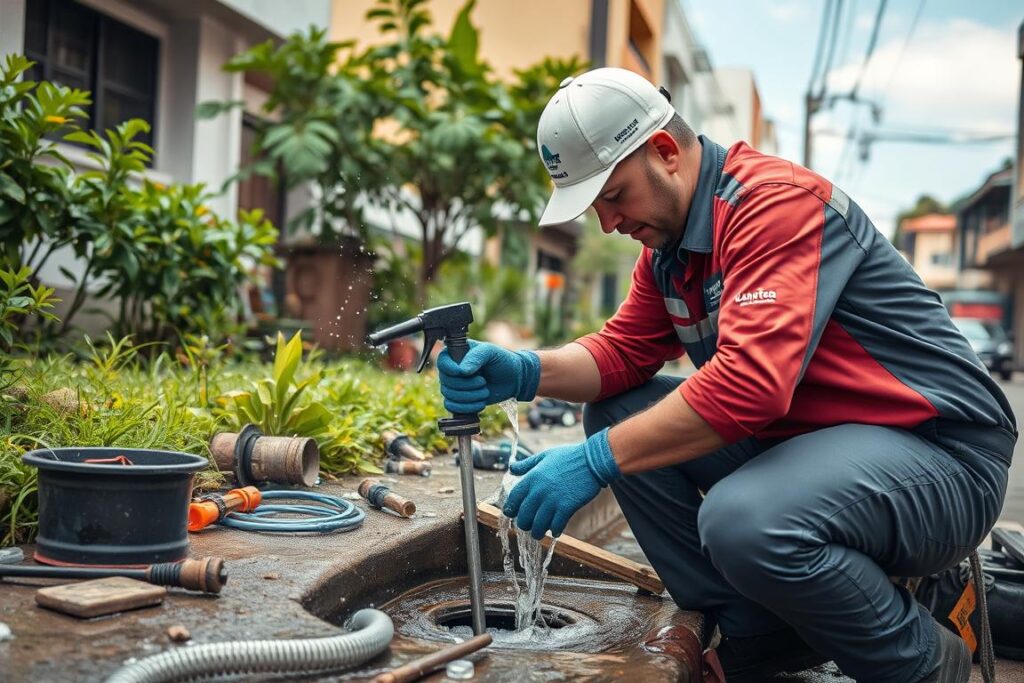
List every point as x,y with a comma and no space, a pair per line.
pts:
211,509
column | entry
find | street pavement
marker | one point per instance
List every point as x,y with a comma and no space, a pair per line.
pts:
1013,508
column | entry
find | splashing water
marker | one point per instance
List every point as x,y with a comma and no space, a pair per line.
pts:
532,556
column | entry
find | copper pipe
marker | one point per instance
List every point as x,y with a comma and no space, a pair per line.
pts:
380,496
418,668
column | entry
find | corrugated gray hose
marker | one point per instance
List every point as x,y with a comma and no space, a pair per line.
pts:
371,634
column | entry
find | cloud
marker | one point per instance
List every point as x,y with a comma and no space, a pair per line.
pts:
787,11
959,74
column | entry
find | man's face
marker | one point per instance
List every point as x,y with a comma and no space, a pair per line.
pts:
640,201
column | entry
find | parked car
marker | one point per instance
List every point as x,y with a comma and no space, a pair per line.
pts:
553,411
991,342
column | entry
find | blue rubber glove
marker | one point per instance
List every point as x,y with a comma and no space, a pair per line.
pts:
488,374
558,482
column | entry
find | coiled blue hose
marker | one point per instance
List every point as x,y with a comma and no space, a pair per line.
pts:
334,514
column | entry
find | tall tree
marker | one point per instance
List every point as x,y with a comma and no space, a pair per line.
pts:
418,124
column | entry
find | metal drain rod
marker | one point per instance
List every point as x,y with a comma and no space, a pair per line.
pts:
450,324
476,590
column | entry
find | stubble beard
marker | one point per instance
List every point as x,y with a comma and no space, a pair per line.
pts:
668,213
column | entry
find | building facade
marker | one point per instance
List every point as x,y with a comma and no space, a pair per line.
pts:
157,60
928,244
650,37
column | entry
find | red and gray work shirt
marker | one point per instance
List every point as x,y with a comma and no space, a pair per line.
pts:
796,311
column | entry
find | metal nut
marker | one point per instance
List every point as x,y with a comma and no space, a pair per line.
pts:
460,670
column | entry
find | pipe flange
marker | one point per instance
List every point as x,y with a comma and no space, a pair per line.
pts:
243,454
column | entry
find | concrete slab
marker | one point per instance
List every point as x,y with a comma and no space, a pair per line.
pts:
280,586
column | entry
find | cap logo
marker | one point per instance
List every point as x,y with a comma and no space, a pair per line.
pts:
552,161
627,132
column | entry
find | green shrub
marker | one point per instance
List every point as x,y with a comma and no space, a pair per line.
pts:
19,300
37,211
120,398
172,264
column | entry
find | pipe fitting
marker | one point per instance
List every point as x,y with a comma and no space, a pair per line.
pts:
255,458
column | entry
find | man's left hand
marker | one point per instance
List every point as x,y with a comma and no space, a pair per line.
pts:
558,482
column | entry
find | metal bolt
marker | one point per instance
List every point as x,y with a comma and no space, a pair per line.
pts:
460,670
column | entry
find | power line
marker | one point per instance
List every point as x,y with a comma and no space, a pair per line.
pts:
871,47
819,51
877,112
837,17
935,138
903,48
851,21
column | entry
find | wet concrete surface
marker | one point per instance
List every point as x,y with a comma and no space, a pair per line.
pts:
296,586
291,586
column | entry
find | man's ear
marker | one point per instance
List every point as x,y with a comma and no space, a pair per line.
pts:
667,149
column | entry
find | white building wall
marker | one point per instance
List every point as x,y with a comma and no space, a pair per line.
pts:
216,149
12,26
285,18
193,50
680,69
738,90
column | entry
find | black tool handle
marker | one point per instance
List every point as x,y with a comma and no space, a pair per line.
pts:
207,574
458,346
403,329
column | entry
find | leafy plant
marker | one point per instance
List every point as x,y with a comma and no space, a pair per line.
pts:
322,132
173,265
416,124
18,300
37,209
150,401
273,404
199,353
467,147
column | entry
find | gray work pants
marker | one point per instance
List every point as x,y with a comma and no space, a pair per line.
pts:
807,531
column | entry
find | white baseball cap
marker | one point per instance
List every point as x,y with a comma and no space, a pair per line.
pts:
591,124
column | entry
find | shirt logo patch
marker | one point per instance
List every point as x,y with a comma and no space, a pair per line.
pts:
760,296
713,292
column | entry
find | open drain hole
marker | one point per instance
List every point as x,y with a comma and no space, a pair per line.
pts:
500,616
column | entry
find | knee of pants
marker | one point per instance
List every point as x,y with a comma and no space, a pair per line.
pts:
748,550
597,416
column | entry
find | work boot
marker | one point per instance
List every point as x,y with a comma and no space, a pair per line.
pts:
757,658
953,657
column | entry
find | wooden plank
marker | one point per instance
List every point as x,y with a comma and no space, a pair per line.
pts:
100,596
640,575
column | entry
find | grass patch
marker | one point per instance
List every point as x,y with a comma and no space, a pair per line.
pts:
112,396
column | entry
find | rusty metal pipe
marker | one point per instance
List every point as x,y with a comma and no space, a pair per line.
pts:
380,496
279,459
407,467
401,446
418,668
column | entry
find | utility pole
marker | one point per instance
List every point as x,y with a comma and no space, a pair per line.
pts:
815,103
812,104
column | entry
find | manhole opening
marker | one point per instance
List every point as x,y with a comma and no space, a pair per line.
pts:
501,616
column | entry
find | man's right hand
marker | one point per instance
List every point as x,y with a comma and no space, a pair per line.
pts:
487,374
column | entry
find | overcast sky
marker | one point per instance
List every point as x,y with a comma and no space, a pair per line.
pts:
959,71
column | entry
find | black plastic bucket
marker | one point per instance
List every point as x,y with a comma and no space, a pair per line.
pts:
113,514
